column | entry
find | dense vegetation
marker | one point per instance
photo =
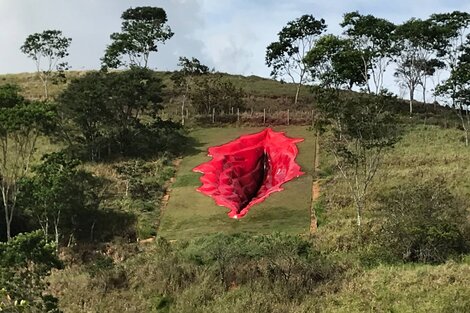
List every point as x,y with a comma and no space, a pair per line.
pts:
87,166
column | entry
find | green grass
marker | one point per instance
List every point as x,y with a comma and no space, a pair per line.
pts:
424,153
411,288
253,85
190,213
31,85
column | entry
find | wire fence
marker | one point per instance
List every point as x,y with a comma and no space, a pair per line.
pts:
238,117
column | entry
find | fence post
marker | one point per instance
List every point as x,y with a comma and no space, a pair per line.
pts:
313,120
213,115
264,116
238,115
287,117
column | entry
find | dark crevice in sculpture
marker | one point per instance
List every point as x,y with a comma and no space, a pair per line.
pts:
262,168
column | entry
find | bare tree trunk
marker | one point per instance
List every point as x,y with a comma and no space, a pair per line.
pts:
183,104
424,92
412,94
315,186
359,209
466,137
182,111
297,93
9,208
46,91
56,232
7,212
466,125
45,81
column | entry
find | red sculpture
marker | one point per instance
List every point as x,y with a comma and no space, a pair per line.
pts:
247,170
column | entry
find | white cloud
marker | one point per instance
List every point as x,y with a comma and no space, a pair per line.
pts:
230,35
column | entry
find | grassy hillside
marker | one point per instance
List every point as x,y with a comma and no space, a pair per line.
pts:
254,86
202,261
424,153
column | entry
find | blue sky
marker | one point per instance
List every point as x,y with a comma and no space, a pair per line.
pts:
229,35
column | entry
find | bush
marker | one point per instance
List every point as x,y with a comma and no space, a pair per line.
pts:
423,222
25,261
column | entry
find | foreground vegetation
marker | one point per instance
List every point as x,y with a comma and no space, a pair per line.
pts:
335,270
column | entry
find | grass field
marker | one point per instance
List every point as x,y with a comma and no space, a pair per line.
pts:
190,213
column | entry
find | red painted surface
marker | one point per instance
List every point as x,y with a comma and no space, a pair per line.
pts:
247,170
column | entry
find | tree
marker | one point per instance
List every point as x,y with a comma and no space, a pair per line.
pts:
24,263
452,29
183,79
142,29
457,87
10,95
336,63
54,193
21,123
372,36
130,94
215,93
415,39
84,106
286,56
48,47
429,69
103,111
359,132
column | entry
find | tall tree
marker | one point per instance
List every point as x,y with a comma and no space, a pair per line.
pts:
336,63
359,131
131,94
372,36
218,94
430,68
457,89
452,28
57,194
286,56
104,109
20,126
416,40
142,30
84,107
183,79
47,49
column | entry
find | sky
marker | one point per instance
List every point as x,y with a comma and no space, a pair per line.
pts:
228,35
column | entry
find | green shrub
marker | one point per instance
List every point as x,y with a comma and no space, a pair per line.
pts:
423,222
25,261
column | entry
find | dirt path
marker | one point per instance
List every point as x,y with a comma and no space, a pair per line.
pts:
315,187
164,203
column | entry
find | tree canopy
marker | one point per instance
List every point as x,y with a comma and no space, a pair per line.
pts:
142,30
286,55
47,49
